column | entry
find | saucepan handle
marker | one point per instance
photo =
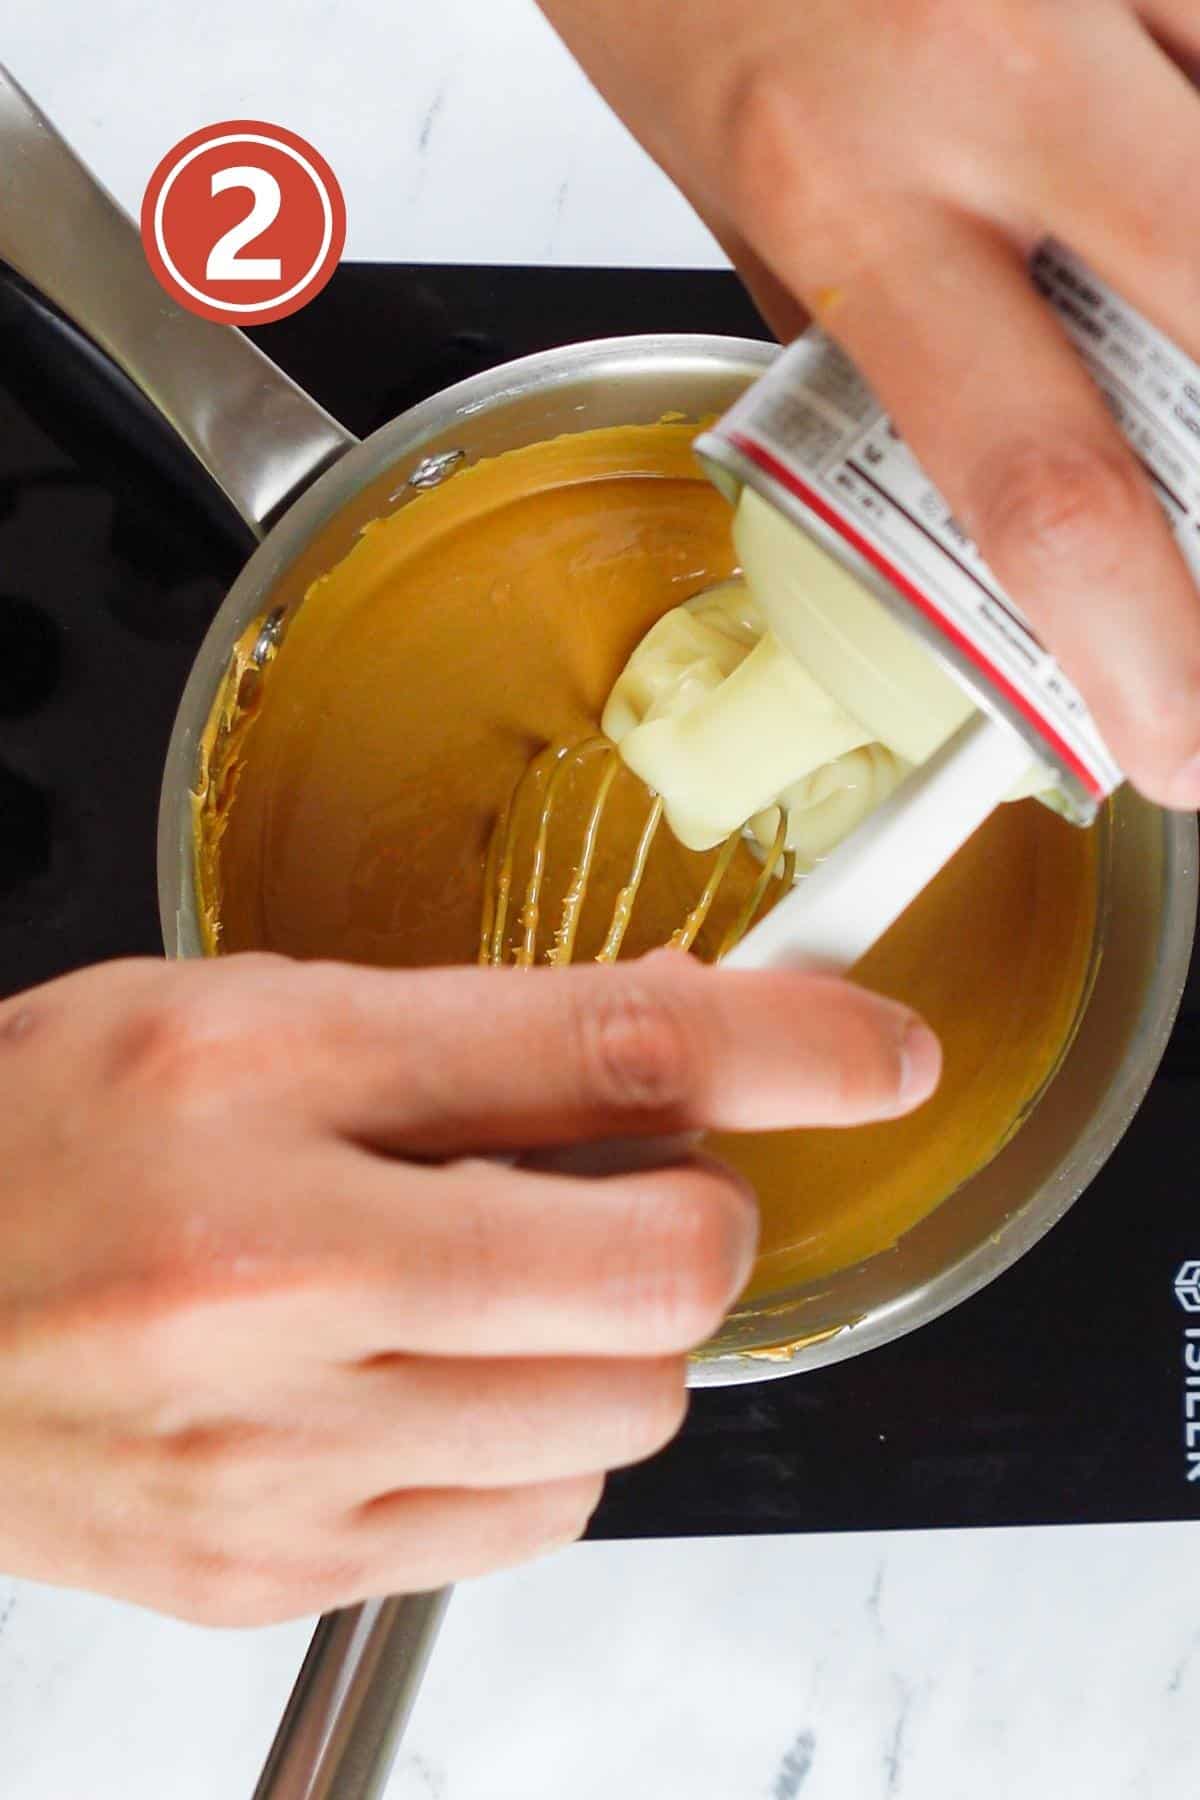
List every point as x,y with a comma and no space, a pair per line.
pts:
260,437
338,1738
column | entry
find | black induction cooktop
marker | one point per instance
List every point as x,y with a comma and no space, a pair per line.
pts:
1056,1396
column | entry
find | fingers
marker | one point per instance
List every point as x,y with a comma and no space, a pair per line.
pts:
448,1061
275,1086
435,1061
412,1541
500,1423
403,1543
465,1423
998,407
397,1422
475,1259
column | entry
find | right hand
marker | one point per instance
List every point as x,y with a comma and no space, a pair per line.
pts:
275,1337
886,166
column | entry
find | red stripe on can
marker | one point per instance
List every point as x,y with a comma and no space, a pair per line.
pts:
778,471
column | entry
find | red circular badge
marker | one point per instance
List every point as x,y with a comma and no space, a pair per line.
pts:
243,222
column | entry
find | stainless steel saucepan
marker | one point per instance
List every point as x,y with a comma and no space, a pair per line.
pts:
306,487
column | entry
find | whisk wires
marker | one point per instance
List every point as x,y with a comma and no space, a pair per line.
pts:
549,772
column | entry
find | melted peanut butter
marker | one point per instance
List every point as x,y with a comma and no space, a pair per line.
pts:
350,795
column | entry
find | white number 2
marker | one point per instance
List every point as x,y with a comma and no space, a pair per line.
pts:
224,264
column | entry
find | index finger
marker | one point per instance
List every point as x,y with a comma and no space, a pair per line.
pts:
442,1061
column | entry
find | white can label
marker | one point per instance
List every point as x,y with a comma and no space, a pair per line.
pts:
812,429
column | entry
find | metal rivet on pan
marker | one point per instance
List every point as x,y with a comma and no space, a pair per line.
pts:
434,469
269,638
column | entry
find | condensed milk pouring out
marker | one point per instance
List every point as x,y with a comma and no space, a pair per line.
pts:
880,572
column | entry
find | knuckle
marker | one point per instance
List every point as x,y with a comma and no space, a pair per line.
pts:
759,127
189,1037
216,1463
758,122
170,1046
199,1471
785,158
637,1048
1060,503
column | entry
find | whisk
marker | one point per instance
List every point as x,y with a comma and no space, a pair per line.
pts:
832,915
551,772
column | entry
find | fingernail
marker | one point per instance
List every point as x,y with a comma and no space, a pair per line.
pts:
920,1062
1185,789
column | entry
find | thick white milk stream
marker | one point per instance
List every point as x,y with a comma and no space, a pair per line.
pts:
790,687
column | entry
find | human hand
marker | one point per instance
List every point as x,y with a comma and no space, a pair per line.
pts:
275,1336
888,165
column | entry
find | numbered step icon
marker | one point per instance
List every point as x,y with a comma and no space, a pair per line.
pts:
243,222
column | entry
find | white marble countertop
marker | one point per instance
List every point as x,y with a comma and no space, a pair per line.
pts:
1060,1663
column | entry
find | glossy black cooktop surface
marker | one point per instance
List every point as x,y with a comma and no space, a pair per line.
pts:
1057,1395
